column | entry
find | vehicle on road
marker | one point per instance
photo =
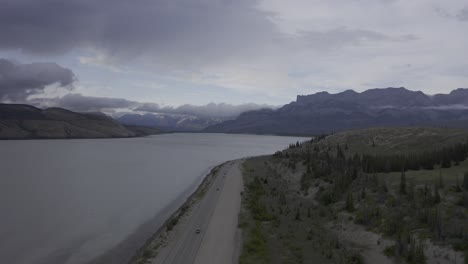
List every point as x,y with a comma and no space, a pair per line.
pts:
197,231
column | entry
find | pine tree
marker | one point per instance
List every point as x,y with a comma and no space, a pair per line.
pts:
339,153
435,222
457,187
403,183
411,191
465,181
441,182
375,179
446,162
418,257
436,195
465,199
349,202
298,215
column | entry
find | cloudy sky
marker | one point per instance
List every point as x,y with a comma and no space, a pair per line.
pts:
89,54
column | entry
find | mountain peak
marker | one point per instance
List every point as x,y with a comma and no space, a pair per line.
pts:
460,91
324,113
391,96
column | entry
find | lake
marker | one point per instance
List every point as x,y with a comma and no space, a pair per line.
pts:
75,201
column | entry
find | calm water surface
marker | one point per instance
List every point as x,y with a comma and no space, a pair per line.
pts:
70,201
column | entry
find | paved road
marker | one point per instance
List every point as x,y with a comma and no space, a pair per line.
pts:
221,243
185,248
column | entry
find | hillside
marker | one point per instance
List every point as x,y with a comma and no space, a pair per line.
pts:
25,122
326,113
385,195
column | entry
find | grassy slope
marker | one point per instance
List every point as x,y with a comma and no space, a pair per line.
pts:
272,233
283,238
396,140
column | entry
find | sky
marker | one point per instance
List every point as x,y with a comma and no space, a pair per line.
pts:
111,55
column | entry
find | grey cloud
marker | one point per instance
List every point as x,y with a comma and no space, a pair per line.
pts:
149,107
169,30
463,14
18,81
342,36
81,103
448,107
208,110
171,33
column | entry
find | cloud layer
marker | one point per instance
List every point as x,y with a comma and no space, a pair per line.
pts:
18,81
81,103
463,14
271,49
209,110
164,31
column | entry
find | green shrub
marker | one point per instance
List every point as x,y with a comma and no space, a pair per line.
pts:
465,181
390,251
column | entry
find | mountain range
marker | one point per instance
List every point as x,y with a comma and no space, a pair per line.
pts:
169,122
319,113
327,113
18,121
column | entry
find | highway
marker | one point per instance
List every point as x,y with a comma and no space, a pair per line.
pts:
216,216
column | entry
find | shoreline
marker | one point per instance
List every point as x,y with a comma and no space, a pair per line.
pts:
79,138
156,240
305,136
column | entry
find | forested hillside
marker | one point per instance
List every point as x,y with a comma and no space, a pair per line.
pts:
361,196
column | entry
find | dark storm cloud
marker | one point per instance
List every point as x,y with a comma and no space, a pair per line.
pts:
18,81
81,103
165,32
166,29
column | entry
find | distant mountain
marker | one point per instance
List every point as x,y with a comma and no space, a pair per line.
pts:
456,97
325,113
23,122
169,122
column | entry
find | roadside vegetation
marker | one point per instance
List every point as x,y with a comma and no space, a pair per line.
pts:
282,226
324,199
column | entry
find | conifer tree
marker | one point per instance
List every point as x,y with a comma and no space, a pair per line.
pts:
298,215
465,181
363,193
349,202
418,257
411,191
457,186
403,183
441,182
436,195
